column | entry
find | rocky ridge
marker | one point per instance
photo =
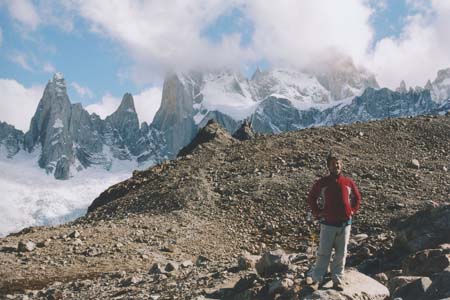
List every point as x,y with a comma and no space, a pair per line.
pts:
180,229
70,139
274,101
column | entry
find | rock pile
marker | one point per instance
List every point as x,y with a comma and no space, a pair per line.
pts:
177,230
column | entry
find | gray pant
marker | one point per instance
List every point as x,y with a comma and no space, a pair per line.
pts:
331,237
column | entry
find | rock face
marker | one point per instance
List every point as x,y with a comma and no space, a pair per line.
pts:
11,139
69,138
282,100
426,229
175,116
211,135
191,99
245,132
49,128
275,115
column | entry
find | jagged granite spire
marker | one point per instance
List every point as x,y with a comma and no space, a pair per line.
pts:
11,139
125,124
50,128
69,137
175,115
402,87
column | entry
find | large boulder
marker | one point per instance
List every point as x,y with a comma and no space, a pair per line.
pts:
399,281
440,288
413,290
272,262
427,262
425,230
357,286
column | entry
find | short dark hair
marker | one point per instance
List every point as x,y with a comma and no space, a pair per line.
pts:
332,155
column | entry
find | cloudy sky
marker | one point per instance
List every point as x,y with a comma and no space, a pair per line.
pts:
105,48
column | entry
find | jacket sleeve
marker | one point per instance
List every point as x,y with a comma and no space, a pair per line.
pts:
356,197
313,196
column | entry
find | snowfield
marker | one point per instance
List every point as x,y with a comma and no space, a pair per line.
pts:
30,197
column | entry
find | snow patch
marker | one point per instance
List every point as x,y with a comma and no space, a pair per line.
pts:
58,123
29,197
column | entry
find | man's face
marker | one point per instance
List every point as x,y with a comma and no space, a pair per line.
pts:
335,166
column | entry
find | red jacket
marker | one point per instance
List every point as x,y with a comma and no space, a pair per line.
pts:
334,199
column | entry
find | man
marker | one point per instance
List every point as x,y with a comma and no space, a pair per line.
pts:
333,200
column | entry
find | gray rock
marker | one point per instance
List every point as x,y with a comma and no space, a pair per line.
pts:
44,243
130,281
272,262
440,288
280,286
399,281
427,262
247,261
414,163
156,269
360,237
424,230
171,266
11,139
186,264
357,286
413,290
74,234
175,116
26,246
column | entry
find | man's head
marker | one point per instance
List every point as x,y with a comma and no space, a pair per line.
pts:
334,163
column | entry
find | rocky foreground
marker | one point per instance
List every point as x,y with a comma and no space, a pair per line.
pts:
227,220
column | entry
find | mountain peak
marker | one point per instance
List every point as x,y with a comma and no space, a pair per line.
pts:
127,104
257,74
442,75
58,76
402,87
212,133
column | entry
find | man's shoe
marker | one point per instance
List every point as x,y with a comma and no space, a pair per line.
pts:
338,287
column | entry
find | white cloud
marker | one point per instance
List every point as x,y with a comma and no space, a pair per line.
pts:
300,33
18,103
24,12
147,103
105,107
22,60
163,35
419,52
48,67
83,91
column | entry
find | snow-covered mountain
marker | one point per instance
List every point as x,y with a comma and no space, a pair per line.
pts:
440,87
65,141
69,139
191,99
